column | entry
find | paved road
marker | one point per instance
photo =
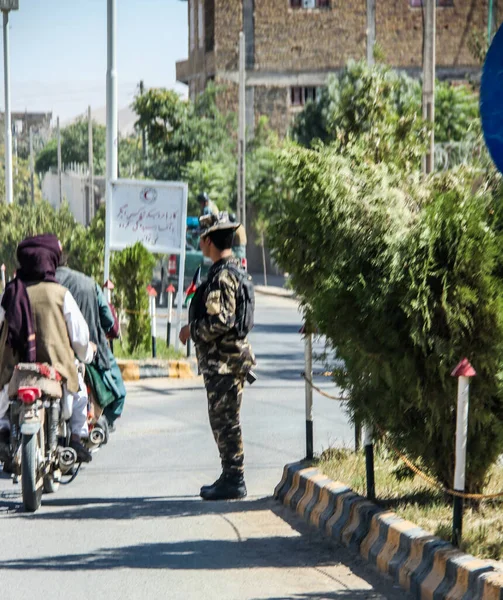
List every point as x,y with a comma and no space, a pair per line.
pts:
132,526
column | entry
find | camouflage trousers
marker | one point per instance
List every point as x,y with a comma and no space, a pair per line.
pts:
225,393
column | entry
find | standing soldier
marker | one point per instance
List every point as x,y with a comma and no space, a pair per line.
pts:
239,242
221,317
207,206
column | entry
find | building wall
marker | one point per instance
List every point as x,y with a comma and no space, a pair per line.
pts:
296,39
228,24
399,32
273,102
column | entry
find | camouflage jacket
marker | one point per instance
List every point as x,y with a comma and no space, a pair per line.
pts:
219,350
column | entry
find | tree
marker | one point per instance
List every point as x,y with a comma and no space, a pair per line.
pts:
403,277
180,132
134,264
75,147
20,221
383,107
217,178
457,113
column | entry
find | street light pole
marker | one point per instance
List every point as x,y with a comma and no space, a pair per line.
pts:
90,161
112,115
241,206
8,127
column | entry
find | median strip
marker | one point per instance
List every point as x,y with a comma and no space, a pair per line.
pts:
423,564
134,370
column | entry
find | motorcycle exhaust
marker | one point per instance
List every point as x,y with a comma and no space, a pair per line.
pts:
97,436
67,459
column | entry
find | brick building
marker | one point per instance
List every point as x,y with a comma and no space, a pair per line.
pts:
293,45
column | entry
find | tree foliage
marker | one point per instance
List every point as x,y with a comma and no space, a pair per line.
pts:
19,221
132,273
382,106
75,147
402,274
180,131
404,279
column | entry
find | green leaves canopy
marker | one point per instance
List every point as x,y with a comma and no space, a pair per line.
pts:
404,279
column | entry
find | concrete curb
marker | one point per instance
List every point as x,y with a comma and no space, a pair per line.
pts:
270,290
424,565
134,370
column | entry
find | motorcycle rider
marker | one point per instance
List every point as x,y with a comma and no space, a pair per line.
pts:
91,301
41,322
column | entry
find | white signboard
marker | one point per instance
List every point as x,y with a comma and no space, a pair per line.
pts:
9,4
151,212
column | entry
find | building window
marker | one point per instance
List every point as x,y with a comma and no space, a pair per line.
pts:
309,3
209,25
419,3
300,95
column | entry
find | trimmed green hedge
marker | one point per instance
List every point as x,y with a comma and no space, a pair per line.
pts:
404,278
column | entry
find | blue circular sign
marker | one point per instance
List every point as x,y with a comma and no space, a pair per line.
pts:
491,99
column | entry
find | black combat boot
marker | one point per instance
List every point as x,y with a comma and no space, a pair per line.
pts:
229,486
205,488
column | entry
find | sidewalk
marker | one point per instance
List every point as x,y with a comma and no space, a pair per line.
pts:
276,285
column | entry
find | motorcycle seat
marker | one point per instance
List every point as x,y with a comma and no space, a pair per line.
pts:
36,375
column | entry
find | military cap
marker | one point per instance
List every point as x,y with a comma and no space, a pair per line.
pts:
211,222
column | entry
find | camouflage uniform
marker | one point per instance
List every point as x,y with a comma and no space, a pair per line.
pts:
224,361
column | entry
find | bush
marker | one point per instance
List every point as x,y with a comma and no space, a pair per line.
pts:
403,277
20,221
132,273
384,106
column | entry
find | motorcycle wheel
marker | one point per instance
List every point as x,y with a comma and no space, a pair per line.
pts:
50,486
32,490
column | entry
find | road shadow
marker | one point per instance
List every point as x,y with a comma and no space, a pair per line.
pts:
278,329
285,357
347,594
167,391
276,551
308,549
125,509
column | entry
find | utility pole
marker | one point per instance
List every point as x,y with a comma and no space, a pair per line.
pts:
91,166
112,122
143,136
60,182
371,31
6,6
32,168
429,61
490,17
241,207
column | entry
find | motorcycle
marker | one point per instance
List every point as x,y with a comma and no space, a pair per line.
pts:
39,446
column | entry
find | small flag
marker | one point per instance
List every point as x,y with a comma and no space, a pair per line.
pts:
189,293
191,290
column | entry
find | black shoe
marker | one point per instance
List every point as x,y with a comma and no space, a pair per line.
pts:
83,454
8,467
205,488
4,445
228,487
